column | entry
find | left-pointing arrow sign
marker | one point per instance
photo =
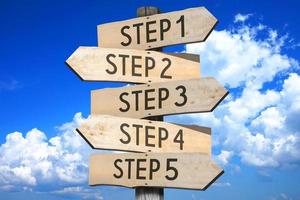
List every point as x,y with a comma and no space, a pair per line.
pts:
129,134
134,66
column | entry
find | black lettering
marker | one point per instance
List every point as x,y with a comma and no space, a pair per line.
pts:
148,99
134,65
129,160
152,169
139,168
119,168
126,35
125,102
137,126
162,98
182,94
123,63
149,66
179,139
170,168
138,37
148,31
147,136
126,133
164,29
181,21
162,137
136,93
111,63
163,72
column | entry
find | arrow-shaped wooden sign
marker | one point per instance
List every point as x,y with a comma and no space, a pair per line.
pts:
173,97
175,170
185,26
135,66
128,134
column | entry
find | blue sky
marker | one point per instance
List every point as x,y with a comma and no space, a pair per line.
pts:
254,51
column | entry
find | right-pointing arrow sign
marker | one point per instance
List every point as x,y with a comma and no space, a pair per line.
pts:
174,97
185,26
175,170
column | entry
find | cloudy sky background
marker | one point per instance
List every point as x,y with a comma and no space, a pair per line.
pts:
255,130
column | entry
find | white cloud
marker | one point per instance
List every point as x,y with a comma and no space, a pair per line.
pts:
260,126
224,157
33,159
257,123
269,120
222,184
80,191
235,58
241,18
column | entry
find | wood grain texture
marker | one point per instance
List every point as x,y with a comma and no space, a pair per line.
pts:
198,23
111,133
200,95
194,170
97,64
188,56
148,193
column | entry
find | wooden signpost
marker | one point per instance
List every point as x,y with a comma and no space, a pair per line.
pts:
169,155
127,134
173,97
135,66
174,170
186,26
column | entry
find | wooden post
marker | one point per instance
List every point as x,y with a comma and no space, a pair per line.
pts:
149,193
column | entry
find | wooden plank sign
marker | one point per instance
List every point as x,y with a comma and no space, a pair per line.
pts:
136,135
173,97
185,26
135,66
184,170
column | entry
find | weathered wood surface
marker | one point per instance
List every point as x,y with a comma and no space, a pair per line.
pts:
185,26
136,135
181,170
173,97
133,66
187,56
148,193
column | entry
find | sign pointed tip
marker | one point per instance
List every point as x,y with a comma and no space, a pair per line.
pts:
107,132
70,65
186,26
190,170
221,98
108,64
185,98
86,139
219,174
210,15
